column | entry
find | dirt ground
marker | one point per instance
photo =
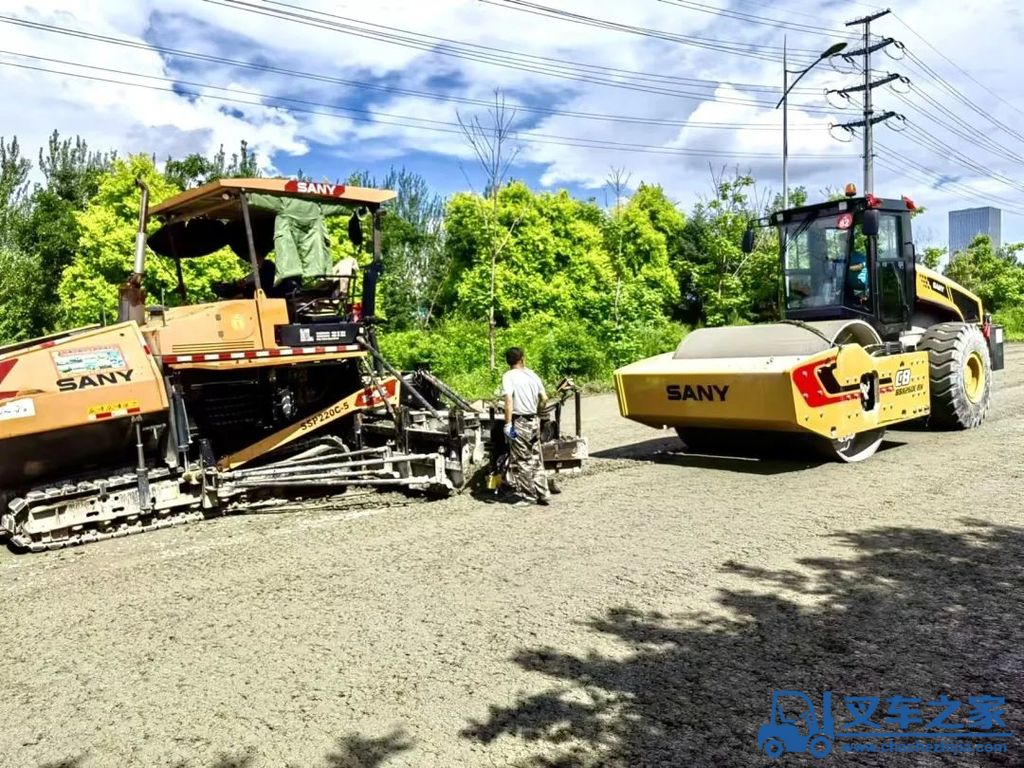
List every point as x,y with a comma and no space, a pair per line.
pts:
643,619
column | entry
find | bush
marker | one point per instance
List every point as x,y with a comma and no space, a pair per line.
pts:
457,352
571,351
1012,320
637,341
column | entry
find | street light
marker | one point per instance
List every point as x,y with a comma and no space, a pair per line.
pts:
784,103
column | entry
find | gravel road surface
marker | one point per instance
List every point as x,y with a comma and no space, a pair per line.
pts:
643,619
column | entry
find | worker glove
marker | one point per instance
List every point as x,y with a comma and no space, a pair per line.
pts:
510,431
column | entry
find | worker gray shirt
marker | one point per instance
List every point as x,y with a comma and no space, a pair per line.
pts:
526,390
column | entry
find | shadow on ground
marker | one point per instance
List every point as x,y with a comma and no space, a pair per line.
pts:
781,456
911,612
355,751
350,751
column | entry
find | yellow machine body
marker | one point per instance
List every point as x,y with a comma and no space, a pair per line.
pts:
870,338
223,326
69,399
938,290
815,378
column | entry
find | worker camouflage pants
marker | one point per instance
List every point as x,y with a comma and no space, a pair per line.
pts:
526,463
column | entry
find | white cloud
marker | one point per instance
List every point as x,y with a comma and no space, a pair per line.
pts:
978,35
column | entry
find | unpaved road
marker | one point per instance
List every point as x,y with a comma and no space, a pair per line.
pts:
643,619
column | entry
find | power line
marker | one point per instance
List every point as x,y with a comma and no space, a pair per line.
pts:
461,50
350,23
759,19
672,79
425,124
944,150
362,85
957,66
936,181
966,191
803,14
959,128
750,50
312,107
959,96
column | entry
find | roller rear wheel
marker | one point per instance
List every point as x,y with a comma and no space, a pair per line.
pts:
959,370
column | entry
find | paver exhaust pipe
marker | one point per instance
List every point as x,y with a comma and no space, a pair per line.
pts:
131,297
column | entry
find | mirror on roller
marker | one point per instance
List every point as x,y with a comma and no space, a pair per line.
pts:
355,230
748,240
869,224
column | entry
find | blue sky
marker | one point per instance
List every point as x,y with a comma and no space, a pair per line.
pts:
357,101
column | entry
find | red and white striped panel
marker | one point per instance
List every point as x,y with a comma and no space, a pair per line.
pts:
253,354
104,415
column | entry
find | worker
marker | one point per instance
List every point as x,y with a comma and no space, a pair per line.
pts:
524,397
346,271
857,275
245,288
262,244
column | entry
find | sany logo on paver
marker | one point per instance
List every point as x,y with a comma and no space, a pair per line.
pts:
315,188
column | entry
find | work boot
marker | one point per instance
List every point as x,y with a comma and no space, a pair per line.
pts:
544,501
553,488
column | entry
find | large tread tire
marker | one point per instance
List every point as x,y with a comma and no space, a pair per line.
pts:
950,348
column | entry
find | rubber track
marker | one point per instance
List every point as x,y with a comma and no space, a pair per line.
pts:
47,495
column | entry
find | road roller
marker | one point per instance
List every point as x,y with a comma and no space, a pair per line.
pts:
869,338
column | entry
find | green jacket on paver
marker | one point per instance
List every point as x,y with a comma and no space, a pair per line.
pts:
301,247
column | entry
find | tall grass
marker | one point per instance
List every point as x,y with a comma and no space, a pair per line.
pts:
1012,320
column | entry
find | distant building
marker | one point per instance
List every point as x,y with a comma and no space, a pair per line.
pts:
967,224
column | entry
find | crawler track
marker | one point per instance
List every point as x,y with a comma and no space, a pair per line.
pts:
95,508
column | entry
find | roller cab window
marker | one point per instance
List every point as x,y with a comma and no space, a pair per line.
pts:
816,262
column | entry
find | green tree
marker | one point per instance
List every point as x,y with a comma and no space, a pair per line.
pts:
50,233
550,257
19,272
640,238
195,169
20,288
582,289
415,259
933,255
995,276
797,197
719,283
14,170
88,287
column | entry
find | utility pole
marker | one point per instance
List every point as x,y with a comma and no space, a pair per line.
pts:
869,118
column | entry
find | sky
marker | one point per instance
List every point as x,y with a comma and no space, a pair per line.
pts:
671,92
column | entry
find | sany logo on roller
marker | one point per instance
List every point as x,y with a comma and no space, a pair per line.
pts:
699,392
